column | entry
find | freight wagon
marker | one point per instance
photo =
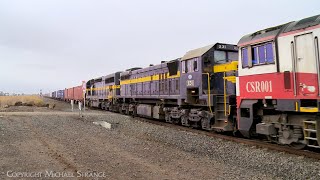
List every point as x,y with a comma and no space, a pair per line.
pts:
74,93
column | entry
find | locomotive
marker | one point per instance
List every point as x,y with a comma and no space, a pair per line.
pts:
278,83
266,85
59,95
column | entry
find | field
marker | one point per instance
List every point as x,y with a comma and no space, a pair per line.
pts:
31,100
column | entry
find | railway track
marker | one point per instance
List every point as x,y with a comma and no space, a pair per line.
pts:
309,153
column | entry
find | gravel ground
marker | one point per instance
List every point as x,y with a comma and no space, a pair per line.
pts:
58,140
239,158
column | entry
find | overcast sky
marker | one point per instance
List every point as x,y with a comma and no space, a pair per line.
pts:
53,44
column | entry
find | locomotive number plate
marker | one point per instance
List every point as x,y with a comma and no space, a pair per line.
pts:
190,82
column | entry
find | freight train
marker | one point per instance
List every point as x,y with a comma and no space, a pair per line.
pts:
266,85
68,94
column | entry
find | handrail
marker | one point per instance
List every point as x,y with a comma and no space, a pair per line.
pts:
227,67
316,44
293,54
209,96
225,94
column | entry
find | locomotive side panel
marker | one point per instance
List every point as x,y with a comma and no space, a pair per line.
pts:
298,51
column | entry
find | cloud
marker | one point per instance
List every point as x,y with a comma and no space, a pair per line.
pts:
55,44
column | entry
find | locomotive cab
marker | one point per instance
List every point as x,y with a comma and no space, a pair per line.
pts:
207,90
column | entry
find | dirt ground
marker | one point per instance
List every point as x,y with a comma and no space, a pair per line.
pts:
44,143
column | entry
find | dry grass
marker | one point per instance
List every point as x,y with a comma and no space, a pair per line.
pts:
11,100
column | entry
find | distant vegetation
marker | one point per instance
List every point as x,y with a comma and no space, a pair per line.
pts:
32,100
4,93
10,94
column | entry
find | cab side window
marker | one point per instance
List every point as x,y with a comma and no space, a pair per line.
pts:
195,64
191,65
257,55
244,53
183,66
262,54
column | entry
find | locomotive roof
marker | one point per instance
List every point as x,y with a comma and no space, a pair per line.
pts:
196,52
303,23
109,76
112,75
201,51
269,33
133,69
99,79
272,32
149,68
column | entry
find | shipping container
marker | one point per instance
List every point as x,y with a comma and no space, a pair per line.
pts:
78,94
74,93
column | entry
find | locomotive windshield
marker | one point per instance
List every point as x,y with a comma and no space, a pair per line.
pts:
221,57
232,56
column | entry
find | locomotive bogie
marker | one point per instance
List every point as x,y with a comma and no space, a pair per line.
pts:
284,128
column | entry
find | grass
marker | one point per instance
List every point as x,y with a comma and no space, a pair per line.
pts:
11,100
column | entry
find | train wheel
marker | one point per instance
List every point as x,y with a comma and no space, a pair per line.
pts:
176,121
127,111
168,118
205,125
298,146
185,120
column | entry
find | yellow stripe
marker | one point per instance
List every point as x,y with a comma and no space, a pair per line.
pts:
232,66
155,77
104,88
230,78
309,109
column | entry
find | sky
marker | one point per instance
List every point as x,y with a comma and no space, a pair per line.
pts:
55,44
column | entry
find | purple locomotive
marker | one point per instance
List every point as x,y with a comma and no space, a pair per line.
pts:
196,90
102,91
58,94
